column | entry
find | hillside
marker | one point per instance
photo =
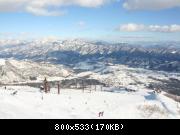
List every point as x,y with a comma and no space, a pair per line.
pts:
14,71
72,103
87,73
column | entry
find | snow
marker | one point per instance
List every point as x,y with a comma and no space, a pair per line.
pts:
114,101
2,62
72,103
84,66
173,52
12,70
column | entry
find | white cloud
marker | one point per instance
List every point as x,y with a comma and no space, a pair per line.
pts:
132,27
150,4
54,7
44,12
165,28
45,7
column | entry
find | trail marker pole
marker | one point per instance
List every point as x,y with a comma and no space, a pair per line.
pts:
58,88
45,85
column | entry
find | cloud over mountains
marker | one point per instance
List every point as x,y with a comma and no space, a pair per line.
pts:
132,27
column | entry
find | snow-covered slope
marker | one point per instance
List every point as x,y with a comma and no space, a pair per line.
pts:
72,103
125,94
21,71
123,76
111,75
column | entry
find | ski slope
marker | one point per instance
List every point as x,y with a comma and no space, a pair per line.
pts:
30,103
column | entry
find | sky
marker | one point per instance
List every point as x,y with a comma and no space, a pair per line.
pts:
109,20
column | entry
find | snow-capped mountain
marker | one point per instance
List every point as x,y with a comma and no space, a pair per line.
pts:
156,56
13,71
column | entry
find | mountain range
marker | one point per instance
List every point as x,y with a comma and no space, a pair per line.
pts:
162,56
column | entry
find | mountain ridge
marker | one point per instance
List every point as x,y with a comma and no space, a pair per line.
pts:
155,56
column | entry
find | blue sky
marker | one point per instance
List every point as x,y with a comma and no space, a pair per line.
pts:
107,20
